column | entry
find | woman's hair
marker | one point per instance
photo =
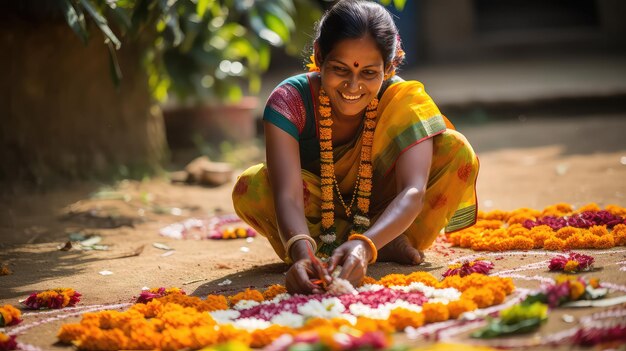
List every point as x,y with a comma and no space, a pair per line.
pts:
353,19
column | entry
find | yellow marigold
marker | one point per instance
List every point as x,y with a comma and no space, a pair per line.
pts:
70,332
482,297
393,280
577,289
143,336
566,232
594,282
264,337
467,239
325,134
98,339
571,266
499,295
605,242
458,307
273,290
553,244
248,294
435,312
539,237
10,314
616,210
619,234
400,318
174,339
454,238
422,277
191,301
589,240
525,211
574,242
589,207
203,336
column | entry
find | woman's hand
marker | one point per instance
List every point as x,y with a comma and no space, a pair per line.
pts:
353,256
299,278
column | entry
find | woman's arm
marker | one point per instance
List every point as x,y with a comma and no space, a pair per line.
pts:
283,165
412,171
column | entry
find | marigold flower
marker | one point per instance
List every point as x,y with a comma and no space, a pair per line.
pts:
9,315
482,297
577,289
393,280
7,342
248,294
422,277
264,337
98,339
458,307
273,290
435,312
53,299
589,207
553,244
605,242
227,332
400,318
368,325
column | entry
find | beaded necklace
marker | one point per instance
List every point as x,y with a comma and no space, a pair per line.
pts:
362,186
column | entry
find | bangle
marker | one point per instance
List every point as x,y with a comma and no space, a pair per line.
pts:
369,242
293,240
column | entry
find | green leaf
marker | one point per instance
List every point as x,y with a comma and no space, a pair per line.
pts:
399,4
202,6
174,34
114,66
497,328
101,22
75,19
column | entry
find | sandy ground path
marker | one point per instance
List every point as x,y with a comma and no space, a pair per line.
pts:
530,163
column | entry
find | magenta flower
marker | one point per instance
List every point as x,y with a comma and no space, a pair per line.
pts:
469,267
575,262
594,336
7,342
585,219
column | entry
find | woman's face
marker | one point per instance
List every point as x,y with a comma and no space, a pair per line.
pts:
352,74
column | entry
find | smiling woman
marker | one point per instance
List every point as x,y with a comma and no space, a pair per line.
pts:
361,165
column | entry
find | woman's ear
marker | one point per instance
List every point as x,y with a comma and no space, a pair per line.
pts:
317,54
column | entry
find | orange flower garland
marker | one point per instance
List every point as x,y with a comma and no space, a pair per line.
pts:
363,185
178,321
502,231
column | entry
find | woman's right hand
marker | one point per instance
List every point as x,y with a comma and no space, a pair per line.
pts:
299,278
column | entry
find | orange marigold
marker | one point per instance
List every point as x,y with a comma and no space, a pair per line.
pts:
98,339
273,290
215,302
70,332
619,234
422,277
566,232
616,210
458,307
10,315
393,280
264,337
554,244
435,312
368,280
593,207
523,243
599,230
605,242
400,318
483,297
227,332
248,294
577,289
368,325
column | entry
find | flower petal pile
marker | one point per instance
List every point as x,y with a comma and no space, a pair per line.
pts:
53,299
7,342
257,319
568,288
148,295
556,228
572,263
9,315
469,267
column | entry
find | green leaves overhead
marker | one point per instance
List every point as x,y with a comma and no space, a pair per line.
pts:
399,4
198,48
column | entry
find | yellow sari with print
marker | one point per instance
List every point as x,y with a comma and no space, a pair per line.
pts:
406,116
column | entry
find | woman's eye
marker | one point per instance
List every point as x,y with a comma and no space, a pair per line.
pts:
340,69
369,73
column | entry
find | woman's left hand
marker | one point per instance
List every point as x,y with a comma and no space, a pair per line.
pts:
353,256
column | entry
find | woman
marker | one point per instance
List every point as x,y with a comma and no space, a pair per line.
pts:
361,166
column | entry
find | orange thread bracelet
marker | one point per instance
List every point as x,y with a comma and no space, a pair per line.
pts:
369,242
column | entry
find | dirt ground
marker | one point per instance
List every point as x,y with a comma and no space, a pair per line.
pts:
529,162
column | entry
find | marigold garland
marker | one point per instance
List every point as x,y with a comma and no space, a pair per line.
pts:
178,321
9,315
556,228
53,299
329,184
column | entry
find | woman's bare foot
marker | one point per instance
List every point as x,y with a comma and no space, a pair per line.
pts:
401,251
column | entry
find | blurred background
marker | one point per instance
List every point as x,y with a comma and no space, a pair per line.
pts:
107,90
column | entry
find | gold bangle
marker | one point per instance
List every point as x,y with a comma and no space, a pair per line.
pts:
369,242
293,240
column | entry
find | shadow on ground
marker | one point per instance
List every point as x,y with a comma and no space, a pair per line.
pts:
261,277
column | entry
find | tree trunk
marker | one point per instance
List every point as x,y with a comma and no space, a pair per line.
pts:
62,118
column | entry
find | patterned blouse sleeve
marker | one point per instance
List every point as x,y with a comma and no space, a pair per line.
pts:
285,109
